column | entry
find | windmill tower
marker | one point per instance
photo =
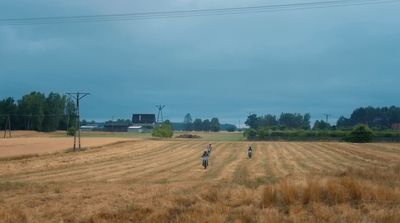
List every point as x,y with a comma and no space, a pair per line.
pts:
160,113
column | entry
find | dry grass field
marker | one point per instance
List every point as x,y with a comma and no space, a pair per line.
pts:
163,181
25,147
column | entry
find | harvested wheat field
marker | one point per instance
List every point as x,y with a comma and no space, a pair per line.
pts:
163,181
33,146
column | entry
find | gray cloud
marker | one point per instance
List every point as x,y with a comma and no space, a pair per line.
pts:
317,61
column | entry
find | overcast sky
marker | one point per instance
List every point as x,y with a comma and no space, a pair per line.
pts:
318,60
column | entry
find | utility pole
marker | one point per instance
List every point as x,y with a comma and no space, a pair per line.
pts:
112,124
28,124
327,117
7,127
160,113
67,127
77,96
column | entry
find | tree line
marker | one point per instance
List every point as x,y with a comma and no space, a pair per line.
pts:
36,111
376,118
356,128
206,125
285,121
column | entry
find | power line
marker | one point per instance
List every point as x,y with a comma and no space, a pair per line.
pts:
191,13
44,115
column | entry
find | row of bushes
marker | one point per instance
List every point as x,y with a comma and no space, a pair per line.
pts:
266,133
360,133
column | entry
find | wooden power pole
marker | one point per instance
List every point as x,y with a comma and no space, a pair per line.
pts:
77,96
7,127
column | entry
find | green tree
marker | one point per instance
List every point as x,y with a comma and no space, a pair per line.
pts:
378,118
70,117
53,111
343,122
84,122
321,125
306,121
291,120
35,111
8,107
32,106
252,121
164,130
188,122
197,125
214,125
268,121
229,127
71,131
360,134
250,134
206,125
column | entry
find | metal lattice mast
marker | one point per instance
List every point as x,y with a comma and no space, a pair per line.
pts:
160,113
77,96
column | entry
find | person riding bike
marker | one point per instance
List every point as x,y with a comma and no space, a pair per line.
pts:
250,152
205,159
209,148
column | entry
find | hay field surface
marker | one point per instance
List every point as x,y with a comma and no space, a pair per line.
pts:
33,146
163,181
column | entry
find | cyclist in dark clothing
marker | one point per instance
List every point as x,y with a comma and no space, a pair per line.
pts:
205,159
250,152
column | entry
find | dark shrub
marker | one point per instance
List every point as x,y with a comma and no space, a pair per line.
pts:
360,134
250,133
263,133
163,131
71,131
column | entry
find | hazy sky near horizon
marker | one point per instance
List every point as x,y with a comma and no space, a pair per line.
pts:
317,60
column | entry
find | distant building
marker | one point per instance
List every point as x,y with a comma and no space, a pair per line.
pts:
116,127
98,126
143,119
140,129
87,128
142,123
